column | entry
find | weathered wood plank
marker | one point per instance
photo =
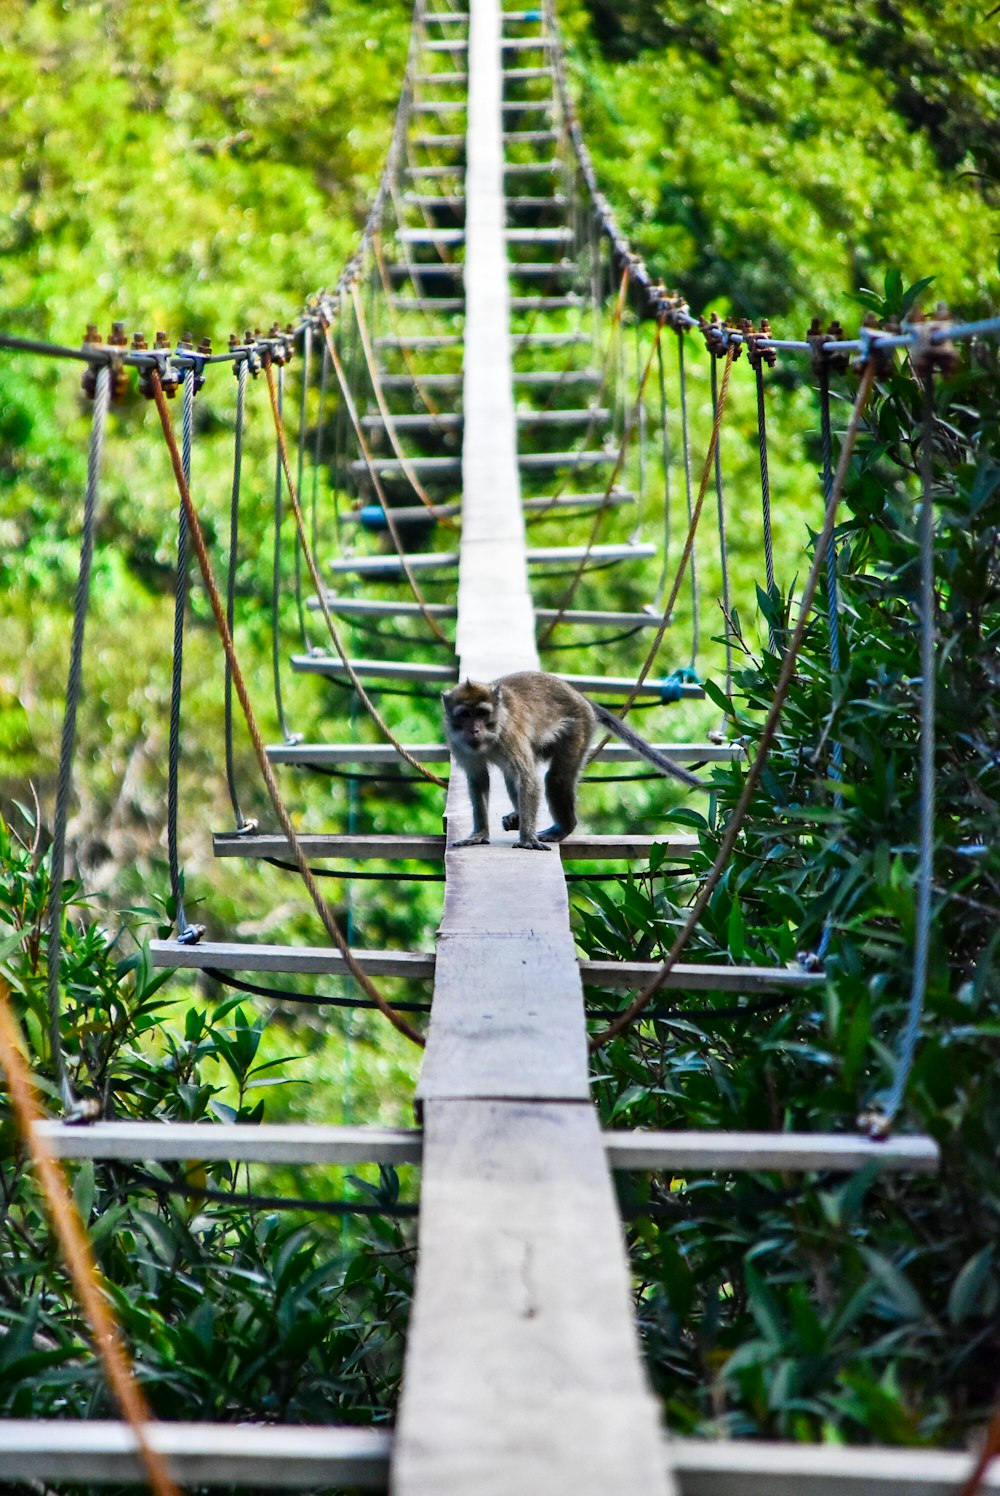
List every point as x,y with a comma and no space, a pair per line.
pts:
692,976
264,1143
438,753
578,848
738,1151
302,1456
305,960
542,1388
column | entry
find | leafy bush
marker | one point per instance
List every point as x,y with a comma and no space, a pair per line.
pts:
864,1308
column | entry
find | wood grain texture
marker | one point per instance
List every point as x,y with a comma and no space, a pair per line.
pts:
542,1390
739,1151
290,1143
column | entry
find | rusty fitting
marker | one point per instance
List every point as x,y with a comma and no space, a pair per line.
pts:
938,356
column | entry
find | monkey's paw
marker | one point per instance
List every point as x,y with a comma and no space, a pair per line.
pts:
553,834
531,844
477,839
511,821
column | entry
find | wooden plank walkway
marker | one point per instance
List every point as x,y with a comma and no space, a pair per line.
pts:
523,1372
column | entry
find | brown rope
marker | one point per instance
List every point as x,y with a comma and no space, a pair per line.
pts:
988,1453
631,1013
310,556
78,1252
366,453
204,561
604,505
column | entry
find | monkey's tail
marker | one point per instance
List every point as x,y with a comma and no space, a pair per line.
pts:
645,750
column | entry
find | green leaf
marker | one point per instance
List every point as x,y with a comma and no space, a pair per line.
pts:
968,1296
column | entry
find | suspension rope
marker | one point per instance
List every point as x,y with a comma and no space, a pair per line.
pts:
880,1125
720,507
102,398
289,737
241,371
665,458
74,1243
629,702
384,411
369,705
604,505
376,481
185,931
204,561
765,495
689,491
768,732
836,767
307,337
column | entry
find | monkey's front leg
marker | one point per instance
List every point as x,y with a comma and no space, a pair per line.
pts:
478,776
529,793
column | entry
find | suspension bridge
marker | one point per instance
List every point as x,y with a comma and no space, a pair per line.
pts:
478,393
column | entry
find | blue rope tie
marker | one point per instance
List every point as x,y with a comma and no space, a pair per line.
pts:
671,687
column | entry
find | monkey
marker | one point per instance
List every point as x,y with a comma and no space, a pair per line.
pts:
518,722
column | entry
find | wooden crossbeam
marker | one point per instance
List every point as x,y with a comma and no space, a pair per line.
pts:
694,976
293,1143
300,1457
605,685
401,848
438,753
541,555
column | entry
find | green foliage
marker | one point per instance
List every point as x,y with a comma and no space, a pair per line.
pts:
829,1308
232,1311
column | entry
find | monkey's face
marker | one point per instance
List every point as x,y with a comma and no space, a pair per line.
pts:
471,717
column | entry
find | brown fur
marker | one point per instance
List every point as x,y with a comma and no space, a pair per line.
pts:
518,723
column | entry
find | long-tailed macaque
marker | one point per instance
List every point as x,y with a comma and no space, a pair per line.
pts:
519,722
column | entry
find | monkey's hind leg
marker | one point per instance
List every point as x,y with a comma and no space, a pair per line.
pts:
560,791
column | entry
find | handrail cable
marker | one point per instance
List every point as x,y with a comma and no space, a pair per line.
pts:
720,508
279,705
284,819
185,930
770,727
78,1251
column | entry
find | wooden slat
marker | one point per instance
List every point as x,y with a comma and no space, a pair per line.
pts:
577,848
302,1456
438,753
714,1467
538,555
304,960
292,1143
739,1151
263,1143
284,1458
450,467
694,976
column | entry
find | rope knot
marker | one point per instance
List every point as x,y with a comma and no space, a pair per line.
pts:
934,351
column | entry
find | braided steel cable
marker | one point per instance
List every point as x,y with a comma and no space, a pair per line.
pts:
57,858
279,705
185,930
240,819
765,496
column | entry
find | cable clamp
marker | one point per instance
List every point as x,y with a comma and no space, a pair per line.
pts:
190,935
872,349
194,359
759,351
671,687
718,337
247,828
836,361
160,357
934,351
